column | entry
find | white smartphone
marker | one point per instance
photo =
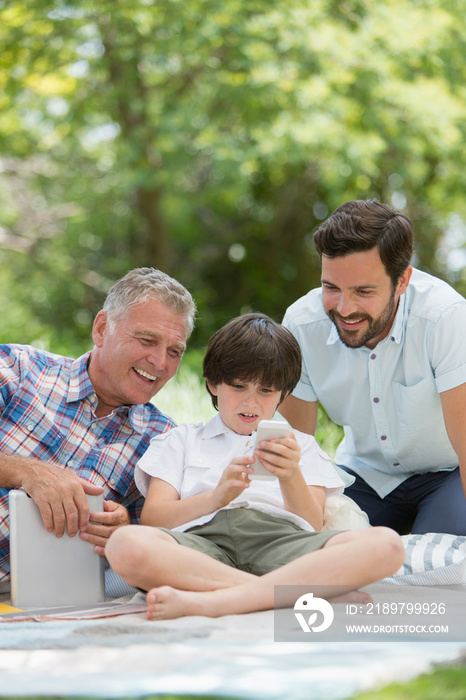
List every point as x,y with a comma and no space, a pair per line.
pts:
267,430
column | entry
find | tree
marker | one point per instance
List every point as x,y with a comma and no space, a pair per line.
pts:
209,138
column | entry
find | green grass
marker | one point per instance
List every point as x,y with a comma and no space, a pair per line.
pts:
443,683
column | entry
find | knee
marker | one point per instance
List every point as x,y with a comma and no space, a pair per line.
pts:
122,550
390,547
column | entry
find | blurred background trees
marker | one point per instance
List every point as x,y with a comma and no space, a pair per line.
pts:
209,138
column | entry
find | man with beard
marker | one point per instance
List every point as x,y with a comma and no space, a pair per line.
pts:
384,352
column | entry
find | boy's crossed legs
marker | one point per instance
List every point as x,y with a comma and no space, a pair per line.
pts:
182,581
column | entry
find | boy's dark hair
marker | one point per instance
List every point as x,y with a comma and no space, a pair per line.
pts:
362,225
253,348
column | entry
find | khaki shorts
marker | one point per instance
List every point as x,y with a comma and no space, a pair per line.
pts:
250,540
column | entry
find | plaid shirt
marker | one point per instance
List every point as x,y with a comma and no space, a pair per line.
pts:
47,405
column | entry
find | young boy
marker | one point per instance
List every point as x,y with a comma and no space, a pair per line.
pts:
222,541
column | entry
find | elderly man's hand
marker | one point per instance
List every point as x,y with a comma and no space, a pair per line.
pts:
102,524
59,493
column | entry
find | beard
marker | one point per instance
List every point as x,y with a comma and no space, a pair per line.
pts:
375,326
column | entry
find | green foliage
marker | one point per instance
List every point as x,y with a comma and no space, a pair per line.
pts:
209,138
185,398
328,434
442,684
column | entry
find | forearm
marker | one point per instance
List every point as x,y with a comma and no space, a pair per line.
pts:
304,501
459,445
454,412
462,464
16,471
174,513
300,414
164,508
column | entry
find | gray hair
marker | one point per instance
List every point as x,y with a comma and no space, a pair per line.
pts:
142,284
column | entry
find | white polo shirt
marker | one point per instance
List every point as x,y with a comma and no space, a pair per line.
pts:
387,399
192,458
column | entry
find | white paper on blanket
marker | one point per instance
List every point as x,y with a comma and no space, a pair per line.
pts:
87,612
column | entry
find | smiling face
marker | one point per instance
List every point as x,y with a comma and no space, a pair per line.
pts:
359,297
243,404
133,361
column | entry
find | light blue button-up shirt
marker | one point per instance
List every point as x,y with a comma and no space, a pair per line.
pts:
387,399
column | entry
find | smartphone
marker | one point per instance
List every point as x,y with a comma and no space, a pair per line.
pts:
267,430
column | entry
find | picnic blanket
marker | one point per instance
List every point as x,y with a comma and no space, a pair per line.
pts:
232,656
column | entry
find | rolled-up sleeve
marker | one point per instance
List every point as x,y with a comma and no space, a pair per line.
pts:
447,348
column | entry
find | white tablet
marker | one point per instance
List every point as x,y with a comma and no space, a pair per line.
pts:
48,570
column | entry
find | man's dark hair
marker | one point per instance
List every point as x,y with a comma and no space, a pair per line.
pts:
362,225
253,348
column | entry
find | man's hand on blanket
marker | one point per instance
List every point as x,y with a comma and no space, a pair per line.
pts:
103,523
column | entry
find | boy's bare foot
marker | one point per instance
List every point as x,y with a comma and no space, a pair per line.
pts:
166,603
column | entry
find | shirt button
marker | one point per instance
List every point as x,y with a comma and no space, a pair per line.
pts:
383,437
70,463
396,464
392,339
376,400
373,356
112,481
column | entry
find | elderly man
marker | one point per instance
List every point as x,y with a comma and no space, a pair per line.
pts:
70,427
384,352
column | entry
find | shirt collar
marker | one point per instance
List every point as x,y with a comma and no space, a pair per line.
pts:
333,335
138,416
216,427
80,385
396,331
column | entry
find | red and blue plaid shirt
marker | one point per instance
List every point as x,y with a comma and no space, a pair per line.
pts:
47,405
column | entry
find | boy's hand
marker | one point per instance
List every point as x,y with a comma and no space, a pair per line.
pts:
233,481
280,456
103,523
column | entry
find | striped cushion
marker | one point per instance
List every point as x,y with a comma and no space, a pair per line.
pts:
433,559
115,586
